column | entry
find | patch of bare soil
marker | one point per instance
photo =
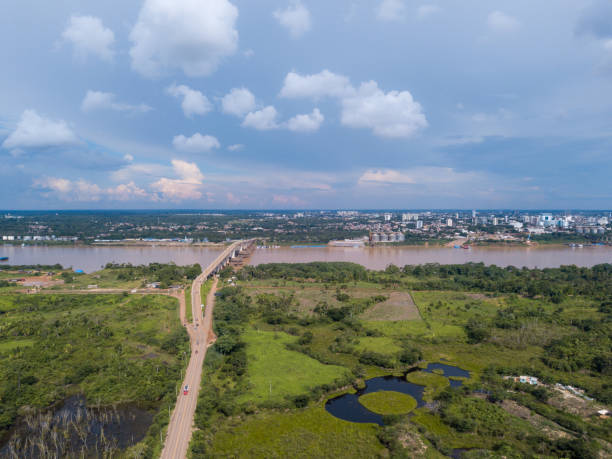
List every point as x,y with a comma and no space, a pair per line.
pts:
571,403
412,441
546,426
399,306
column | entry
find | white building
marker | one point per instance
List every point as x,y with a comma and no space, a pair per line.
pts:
419,224
388,217
449,222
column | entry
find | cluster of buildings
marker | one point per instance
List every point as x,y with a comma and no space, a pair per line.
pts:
40,238
387,237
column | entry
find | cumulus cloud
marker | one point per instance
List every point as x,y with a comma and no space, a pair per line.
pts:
35,131
262,120
425,11
190,35
98,100
88,36
188,185
238,102
307,122
501,22
391,10
194,102
322,84
84,191
391,114
197,143
295,18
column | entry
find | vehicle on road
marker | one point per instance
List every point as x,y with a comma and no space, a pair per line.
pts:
186,390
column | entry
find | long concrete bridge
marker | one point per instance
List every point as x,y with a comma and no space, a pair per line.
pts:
226,257
181,422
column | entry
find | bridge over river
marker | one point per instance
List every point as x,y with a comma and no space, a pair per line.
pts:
200,334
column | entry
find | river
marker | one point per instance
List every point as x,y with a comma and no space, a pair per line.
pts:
92,258
381,257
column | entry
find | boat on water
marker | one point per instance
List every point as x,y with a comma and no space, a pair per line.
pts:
3,258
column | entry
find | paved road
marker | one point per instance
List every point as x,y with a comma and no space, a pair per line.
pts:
200,333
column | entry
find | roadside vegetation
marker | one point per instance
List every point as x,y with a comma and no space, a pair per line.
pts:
108,362
291,336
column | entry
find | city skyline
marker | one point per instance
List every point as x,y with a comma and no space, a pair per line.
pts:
364,105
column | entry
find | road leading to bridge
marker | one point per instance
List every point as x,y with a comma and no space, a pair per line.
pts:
181,422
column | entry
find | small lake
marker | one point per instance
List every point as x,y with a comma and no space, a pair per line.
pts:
348,408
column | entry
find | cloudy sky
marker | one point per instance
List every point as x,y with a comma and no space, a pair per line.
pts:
305,104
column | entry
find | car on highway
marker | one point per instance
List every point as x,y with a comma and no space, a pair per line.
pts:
186,390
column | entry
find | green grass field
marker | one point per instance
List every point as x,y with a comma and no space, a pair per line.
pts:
275,372
388,402
382,345
307,433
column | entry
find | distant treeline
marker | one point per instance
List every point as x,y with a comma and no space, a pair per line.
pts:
55,267
552,283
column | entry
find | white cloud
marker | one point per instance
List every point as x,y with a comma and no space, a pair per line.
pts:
391,10
89,37
321,84
236,147
187,187
238,102
194,102
140,171
391,114
84,191
306,123
35,131
424,11
197,143
501,22
97,100
295,18
262,120
191,35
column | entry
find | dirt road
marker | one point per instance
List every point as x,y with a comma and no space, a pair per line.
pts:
181,422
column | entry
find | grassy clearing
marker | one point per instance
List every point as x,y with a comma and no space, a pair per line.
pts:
433,383
388,402
276,373
307,433
15,344
382,345
399,306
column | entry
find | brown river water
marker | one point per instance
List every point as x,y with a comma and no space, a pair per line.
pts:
92,258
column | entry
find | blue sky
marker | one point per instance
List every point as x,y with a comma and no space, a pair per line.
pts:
305,104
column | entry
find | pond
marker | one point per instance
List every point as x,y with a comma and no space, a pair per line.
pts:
348,408
73,429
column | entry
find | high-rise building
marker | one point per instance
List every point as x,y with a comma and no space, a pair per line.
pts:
419,224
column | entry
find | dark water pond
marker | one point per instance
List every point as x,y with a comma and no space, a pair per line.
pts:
73,429
348,408
449,370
